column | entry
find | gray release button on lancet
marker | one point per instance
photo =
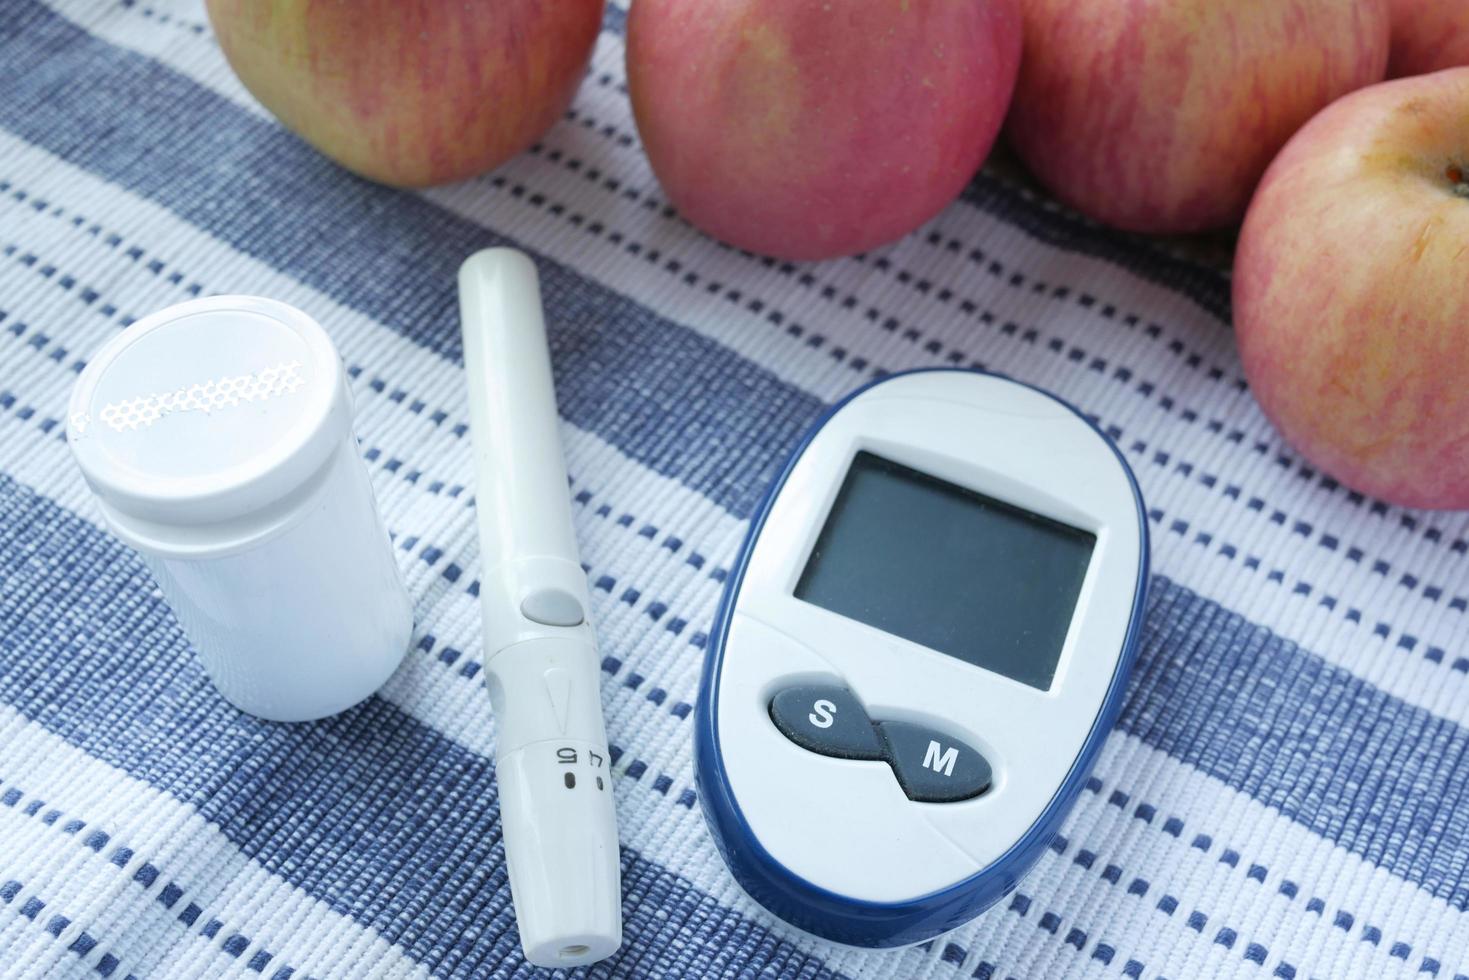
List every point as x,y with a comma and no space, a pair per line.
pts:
931,766
827,719
552,607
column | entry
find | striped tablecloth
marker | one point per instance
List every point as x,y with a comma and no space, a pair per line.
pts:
1286,794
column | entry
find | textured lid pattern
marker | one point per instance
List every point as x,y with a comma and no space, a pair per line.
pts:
208,410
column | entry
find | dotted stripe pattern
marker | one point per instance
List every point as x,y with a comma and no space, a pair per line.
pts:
208,397
145,875
82,943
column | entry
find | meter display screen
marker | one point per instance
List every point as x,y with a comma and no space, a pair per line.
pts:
954,570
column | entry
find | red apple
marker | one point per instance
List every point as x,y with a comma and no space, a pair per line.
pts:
1428,35
1351,291
411,92
1161,116
808,130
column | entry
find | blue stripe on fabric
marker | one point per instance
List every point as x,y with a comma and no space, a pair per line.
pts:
614,19
371,812
390,254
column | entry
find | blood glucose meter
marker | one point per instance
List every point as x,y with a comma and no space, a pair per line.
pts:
919,652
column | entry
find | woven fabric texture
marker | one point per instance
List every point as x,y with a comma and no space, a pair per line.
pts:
1286,794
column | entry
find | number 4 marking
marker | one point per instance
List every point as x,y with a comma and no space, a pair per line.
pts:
944,763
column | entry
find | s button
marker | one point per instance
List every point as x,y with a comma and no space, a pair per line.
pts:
826,719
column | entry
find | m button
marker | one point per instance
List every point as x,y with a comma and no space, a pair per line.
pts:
932,767
826,719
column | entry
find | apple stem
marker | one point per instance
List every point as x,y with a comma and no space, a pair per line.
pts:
1456,175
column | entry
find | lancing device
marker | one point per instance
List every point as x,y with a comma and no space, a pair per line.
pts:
540,651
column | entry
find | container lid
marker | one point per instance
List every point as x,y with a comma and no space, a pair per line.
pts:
206,413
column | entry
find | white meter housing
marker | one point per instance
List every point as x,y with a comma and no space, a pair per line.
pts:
918,655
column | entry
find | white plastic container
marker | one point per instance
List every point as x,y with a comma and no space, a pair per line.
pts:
217,436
